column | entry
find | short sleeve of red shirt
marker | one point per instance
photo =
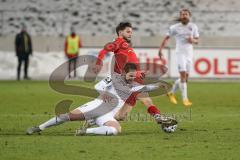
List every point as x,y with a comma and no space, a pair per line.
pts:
109,47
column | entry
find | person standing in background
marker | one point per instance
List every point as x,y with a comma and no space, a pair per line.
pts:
23,48
72,45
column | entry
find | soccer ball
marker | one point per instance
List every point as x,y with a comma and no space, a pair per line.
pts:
169,129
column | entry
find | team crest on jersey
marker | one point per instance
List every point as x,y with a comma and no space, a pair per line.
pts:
109,87
108,80
130,50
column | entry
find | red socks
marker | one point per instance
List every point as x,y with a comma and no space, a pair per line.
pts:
153,110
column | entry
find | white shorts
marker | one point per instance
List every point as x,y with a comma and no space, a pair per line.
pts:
96,109
90,106
100,121
184,62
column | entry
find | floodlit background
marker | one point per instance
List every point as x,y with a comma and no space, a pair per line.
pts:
208,130
216,56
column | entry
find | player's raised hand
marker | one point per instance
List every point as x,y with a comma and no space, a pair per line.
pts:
190,40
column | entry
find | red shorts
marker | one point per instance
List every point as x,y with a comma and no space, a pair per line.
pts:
132,99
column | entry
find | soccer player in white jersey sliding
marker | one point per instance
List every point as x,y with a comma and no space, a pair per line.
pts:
186,34
114,91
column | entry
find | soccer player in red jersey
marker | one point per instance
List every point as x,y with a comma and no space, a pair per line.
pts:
124,53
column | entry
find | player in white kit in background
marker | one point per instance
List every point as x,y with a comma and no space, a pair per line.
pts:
186,34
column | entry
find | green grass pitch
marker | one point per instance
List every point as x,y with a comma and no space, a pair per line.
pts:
212,133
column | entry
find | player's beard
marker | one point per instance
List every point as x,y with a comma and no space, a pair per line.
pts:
129,81
185,21
128,40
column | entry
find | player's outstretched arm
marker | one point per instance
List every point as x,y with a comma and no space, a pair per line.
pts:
101,55
109,47
163,44
99,61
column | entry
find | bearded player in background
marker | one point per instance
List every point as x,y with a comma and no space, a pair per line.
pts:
186,34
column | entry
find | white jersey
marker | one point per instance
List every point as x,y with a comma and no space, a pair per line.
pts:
116,89
181,33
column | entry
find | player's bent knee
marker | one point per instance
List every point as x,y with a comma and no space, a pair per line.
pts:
76,115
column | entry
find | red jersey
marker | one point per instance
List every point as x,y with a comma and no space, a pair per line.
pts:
123,52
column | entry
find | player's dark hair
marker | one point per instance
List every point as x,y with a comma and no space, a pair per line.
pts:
183,10
130,66
121,26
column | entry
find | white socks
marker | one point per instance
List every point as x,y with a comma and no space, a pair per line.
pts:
55,121
176,85
103,130
183,88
